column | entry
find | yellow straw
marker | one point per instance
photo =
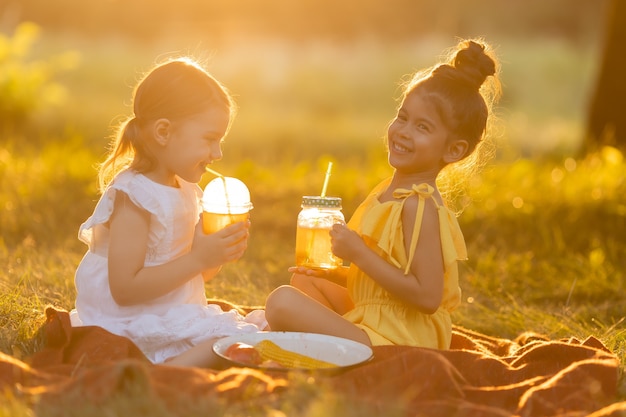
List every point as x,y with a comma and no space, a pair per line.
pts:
330,166
217,174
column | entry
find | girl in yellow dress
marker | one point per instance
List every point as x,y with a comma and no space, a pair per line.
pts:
403,243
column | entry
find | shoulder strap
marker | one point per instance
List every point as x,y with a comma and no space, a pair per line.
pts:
423,191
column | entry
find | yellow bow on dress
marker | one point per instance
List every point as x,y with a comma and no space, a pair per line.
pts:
423,191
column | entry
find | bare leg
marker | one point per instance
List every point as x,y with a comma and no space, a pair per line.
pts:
332,295
289,309
201,355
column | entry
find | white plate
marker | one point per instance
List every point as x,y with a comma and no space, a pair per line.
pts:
339,351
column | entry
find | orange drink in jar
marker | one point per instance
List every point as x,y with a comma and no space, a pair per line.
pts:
313,246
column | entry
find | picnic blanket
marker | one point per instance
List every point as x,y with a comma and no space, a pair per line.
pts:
479,376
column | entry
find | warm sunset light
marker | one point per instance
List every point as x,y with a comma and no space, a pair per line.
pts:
425,196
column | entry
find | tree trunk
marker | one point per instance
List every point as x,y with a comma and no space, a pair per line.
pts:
607,114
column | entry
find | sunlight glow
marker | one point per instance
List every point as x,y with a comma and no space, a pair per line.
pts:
557,175
596,193
570,164
612,156
596,257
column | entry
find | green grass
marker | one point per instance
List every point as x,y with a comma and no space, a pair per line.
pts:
545,234
552,265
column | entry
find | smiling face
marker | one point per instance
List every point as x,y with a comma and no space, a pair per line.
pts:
186,146
417,138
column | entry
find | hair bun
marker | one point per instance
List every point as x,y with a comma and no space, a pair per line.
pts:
473,64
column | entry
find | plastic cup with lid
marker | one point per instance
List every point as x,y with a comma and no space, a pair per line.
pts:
225,201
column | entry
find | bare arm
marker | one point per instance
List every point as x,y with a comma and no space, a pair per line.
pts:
423,286
132,283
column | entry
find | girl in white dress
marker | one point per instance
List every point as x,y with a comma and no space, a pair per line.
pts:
143,275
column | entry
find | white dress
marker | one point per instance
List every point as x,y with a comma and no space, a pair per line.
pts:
172,323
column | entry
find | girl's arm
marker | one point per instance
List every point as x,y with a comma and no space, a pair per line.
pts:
132,283
207,274
423,286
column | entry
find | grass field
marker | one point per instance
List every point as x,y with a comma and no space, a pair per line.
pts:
545,230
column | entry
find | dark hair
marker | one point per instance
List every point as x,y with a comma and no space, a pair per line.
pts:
463,90
458,90
173,90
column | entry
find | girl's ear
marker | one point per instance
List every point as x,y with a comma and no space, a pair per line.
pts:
455,151
161,131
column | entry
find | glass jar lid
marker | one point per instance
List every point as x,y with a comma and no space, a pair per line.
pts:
321,202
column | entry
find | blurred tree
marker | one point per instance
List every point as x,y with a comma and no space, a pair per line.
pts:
27,85
607,114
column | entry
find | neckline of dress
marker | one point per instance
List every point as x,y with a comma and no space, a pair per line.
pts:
168,188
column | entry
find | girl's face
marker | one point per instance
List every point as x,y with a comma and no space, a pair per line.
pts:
417,137
192,144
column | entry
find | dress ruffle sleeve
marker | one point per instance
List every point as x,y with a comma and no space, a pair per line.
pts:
452,240
139,191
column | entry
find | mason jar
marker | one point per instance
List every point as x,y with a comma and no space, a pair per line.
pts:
313,248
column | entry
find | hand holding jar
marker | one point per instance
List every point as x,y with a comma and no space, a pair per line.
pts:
313,246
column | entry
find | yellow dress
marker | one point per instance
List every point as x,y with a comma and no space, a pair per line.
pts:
386,319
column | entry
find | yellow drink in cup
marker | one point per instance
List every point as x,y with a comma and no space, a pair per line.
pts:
225,201
313,245
213,222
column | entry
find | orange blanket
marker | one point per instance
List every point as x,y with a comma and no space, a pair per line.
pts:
478,376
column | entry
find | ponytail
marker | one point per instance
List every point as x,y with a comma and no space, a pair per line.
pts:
121,153
173,90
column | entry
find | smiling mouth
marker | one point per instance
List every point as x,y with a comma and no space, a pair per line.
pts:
399,148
